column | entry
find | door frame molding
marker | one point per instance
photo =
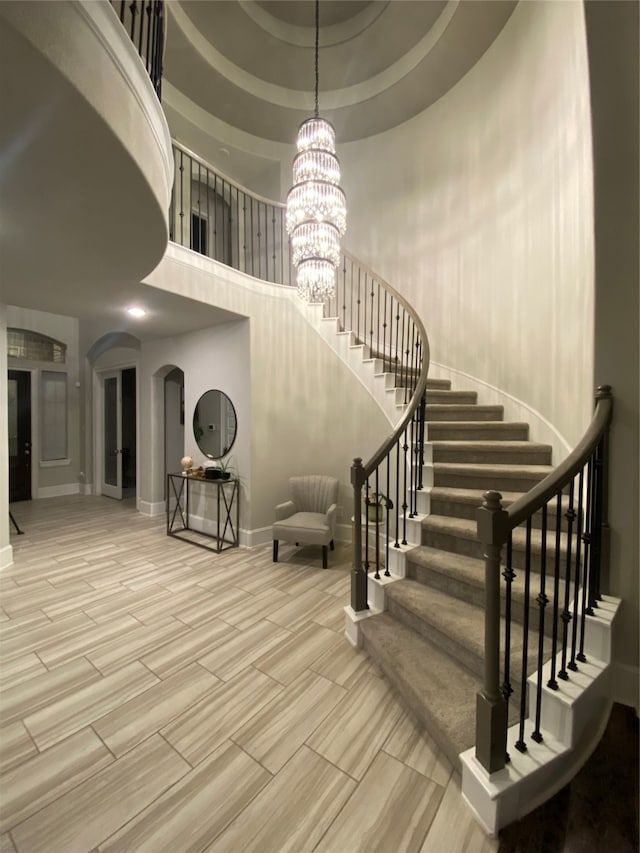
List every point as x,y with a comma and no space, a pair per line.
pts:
34,384
99,374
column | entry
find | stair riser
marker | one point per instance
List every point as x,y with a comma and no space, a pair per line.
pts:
462,509
491,456
411,701
474,548
461,398
475,594
464,413
471,659
485,482
436,432
458,652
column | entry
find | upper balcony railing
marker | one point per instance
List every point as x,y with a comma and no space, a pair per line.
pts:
145,23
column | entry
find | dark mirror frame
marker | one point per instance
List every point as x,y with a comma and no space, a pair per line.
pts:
214,438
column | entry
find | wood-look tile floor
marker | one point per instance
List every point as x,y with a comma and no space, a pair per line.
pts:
158,697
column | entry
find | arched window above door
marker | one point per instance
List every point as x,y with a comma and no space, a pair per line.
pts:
32,346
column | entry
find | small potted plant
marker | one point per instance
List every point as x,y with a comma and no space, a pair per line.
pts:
376,502
226,469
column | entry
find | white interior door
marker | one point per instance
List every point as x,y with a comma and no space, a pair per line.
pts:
112,459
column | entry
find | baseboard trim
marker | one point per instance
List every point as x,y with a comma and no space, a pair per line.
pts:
58,491
625,681
6,556
151,508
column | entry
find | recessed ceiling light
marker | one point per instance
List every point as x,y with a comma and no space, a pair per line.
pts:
136,312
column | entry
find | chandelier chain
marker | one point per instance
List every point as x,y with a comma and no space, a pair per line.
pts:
317,113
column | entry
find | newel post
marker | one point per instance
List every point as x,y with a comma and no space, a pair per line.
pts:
359,577
491,707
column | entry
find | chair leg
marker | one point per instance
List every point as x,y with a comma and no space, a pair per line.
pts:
324,556
332,546
275,550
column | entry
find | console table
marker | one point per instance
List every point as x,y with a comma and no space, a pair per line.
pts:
225,495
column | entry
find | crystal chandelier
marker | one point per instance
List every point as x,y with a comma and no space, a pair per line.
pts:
316,205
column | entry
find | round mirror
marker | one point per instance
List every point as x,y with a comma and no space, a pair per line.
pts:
214,424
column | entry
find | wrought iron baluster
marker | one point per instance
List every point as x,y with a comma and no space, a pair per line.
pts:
576,582
377,537
371,352
387,535
542,603
520,743
396,544
552,682
508,574
566,615
405,448
586,540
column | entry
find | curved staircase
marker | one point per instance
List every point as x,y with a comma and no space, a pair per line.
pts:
430,640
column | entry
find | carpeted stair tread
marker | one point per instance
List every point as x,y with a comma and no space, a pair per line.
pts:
485,476
463,412
467,528
454,625
462,577
439,691
477,430
464,503
491,452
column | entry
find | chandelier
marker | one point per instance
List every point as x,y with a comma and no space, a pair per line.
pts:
316,206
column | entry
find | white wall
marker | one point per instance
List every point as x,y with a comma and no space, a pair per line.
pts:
303,410
479,210
213,358
6,551
174,425
52,478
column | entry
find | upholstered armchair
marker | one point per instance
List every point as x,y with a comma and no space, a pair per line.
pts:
310,515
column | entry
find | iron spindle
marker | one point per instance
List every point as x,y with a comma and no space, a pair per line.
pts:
596,550
387,573
423,408
405,448
576,583
371,353
508,574
411,470
552,682
150,22
396,544
520,744
377,545
586,540
133,8
542,603
366,526
566,615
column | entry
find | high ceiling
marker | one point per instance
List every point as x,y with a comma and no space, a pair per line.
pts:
251,62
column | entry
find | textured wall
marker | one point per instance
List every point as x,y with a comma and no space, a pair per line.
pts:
480,211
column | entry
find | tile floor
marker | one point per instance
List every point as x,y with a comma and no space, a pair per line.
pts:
157,697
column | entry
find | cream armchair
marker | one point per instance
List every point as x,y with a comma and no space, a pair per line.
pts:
310,515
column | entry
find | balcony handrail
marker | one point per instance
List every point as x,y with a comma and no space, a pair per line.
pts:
232,181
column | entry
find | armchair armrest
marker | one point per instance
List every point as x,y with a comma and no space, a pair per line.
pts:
285,510
331,518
